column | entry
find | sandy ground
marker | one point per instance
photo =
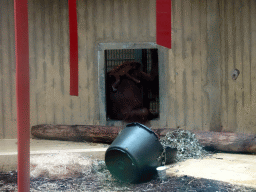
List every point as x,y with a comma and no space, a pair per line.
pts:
239,169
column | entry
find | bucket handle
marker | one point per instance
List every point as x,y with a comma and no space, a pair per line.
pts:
162,156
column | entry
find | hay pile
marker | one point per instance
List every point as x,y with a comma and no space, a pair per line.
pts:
186,143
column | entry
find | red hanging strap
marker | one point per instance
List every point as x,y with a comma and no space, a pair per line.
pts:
73,38
164,23
22,93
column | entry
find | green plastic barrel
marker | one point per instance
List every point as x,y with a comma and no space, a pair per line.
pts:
135,154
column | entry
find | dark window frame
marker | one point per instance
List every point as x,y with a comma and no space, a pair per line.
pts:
163,58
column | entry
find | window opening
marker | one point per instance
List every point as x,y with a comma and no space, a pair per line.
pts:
150,94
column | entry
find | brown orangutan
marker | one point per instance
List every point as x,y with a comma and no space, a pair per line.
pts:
124,88
123,70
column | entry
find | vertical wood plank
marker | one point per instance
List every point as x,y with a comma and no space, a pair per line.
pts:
187,57
238,65
57,64
152,16
108,22
117,24
49,58
203,46
99,18
67,98
40,64
33,62
6,73
196,41
125,19
134,21
82,55
62,46
2,127
92,76
41,71
143,19
179,64
12,77
33,100
253,66
171,117
224,66
213,64
246,65
230,62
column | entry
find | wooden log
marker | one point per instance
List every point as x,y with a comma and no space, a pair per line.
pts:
91,133
227,141
222,141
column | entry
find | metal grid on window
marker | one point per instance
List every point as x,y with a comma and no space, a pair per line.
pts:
115,57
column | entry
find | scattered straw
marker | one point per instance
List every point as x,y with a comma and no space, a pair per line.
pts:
186,143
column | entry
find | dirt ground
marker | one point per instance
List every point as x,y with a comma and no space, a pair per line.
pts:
98,178
71,172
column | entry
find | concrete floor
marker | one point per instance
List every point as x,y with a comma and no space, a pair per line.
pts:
233,168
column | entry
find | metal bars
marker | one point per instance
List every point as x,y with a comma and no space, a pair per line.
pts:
115,57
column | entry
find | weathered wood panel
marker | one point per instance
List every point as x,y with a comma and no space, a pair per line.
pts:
7,79
197,65
237,52
189,102
178,27
253,67
188,79
209,40
229,52
203,62
2,127
82,49
237,64
171,71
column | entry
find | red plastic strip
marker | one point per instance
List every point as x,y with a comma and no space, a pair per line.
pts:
22,93
73,48
164,23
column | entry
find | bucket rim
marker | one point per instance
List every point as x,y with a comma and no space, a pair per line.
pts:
142,126
138,168
123,151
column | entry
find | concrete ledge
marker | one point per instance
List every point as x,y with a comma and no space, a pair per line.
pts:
8,150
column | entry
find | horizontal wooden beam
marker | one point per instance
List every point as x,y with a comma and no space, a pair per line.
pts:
222,141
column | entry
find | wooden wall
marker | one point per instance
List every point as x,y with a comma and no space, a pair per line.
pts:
194,66
210,38
8,113
238,50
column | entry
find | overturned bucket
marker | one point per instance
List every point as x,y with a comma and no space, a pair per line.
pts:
135,154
